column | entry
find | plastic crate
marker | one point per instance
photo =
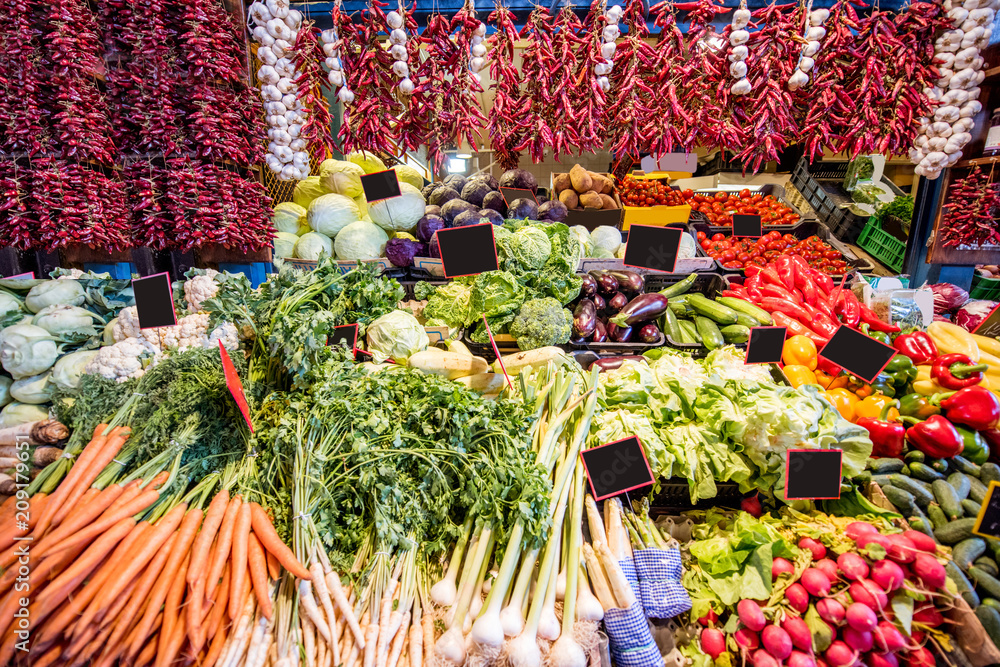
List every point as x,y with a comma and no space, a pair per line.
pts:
709,284
985,288
883,246
768,189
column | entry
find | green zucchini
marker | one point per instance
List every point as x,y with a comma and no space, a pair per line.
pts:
947,498
735,333
670,326
746,320
884,466
921,493
955,531
971,507
906,470
990,618
987,564
966,466
967,551
712,310
989,472
903,500
924,472
680,287
709,332
992,602
936,515
882,480
914,455
938,464
962,583
679,309
746,307
961,484
691,336
978,490
681,299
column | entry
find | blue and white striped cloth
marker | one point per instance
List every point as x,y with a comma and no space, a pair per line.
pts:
659,572
631,576
629,637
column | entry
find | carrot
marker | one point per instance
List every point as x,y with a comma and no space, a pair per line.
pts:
83,515
41,573
273,566
36,505
164,658
215,649
7,509
241,538
171,613
270,540
72,478
105,455
50,657
147,655
218,612
138,504
199,550
258,575
223,542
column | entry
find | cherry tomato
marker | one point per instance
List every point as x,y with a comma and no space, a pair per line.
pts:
706,244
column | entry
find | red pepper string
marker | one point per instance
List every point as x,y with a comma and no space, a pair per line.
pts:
503,124
970,212
311,81
631,100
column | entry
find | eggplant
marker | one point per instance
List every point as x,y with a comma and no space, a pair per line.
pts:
578,341
607,284
617,302
649,333
641,309
589,286
619,334
629,282
600,333
599,303
611,363
584,318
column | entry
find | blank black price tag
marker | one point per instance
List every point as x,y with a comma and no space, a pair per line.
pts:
747,225
510,194
617,467
990,327
380,185
345,333
653,248
467,251
765,345
988,521
154,301
857,353
813,474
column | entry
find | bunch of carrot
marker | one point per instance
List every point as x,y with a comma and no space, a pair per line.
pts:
125,573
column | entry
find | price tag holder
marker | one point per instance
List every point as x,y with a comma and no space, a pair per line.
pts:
857,353
489,332
653,248
345,333
510,194
154,301
380,185
813,474
617,467
234,385
988,520
467,251
30,275
990,327
748,226
765,345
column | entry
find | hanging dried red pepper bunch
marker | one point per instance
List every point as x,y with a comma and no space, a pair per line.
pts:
18,224
509,107
369,121
152,224
971,212
462,116
587,97
311,80
219,127
75,204
208,43
23,123
544,74
630,98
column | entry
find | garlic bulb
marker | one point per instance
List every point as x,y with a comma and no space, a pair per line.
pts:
806,64
738,69
479,50
406,86
267,74
608,50
261,35
275,108
259,13
480,30
477,64
297,144
811,49
604,83
611,33
345,95
266,55
397,36
398,52
815,34
401,69
797,80
741,87
290,102
818,17
741,17
336,78
281,47
739,53
394,20
737,37
270,93
278,8
277,29
294,19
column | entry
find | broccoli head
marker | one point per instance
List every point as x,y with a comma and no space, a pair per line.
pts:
541,322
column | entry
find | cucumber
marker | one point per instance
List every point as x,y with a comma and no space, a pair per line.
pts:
987,564
967,551
921,523
971,507
735,333
962,583
863,479
681,299
947,498
921,493
746,307
882,480
978,490
906,470
937,515
709,332
691,336
938,464
966,466
989,472
679,309
914,455
961,484
990,618
884,466
712,310
924,472
955,531
992,602
746,320
680,287
903,500
671,327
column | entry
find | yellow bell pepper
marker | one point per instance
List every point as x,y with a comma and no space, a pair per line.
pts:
987,344
799,351
844,401
953,339
799,375
871,407
824,379
992,374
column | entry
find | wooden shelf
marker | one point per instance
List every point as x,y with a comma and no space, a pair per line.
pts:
992,73
977,162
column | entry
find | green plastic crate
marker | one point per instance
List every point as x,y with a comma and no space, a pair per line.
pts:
985,288
882,245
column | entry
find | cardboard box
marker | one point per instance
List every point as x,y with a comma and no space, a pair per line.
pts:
591,218
656,216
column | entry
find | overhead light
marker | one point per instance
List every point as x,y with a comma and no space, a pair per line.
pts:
456,165
464,155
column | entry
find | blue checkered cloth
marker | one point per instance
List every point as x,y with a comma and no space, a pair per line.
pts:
628,567
629,637
659,572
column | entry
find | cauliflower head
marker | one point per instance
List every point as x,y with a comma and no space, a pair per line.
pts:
199,289
541,322
123,361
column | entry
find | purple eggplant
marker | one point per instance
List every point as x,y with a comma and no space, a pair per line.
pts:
640,309
584,318
629,282
619,334
600,333
607,284
599,303
576,340
649,333
617,302
611,363
589,286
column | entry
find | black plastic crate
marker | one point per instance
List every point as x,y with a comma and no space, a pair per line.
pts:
613,349
768,189
709,284
674,495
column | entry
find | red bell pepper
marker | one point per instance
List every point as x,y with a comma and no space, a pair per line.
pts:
772,304
869,317
935,436
783,265
956,371
753,283
975,407
810,293
779,292
821,323
887,437
918,346
822,280
751,271
737,291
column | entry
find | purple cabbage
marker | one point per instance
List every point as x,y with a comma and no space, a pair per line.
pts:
496,202
402,251
491,216
553,210
972,313
948,297
427,225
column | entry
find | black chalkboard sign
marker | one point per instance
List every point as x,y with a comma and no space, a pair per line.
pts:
617,467
380,185
154,301
990,327
857,353
765,345
510,194
747,225
467,251
988,521
345,333
813,474
651,247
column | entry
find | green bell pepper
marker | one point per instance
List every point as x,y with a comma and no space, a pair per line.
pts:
883,384
901,371
880,336
976,449
917,405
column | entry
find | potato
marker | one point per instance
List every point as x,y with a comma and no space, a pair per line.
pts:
609,185
581,180
597,181
561,182
569,198
591,200
608,202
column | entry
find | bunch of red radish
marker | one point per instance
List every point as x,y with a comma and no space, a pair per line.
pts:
851,593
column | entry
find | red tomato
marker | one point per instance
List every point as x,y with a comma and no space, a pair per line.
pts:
702,236
789,238
721,196
728,256
743,256
718,237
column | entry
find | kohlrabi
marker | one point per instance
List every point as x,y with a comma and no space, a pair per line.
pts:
70,324
27,350
52,292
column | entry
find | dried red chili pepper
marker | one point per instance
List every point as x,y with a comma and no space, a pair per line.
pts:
971,210
503,124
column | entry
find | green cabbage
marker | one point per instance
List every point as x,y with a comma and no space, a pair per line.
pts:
407,174
16,414
284,245
360,240
288,217
396,335
68,371
400,213
52,292
530,247
582,236
341,177
312,245
34,390
607,238
367,161
5,383
331,213
308,190
27,350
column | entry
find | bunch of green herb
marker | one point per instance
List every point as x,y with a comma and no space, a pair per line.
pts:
901,207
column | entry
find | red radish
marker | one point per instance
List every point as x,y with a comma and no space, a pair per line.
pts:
858,640
776,642
751,615
820,662
882,660
762,658
854,530
831,611
901,549
781,566
888,575
840,655
869,594
817,548
929,570
710,617
752,506
920,657
852,565
816,582
928,615
797,597
798,631
800,659
747,639
921,541
861,617
829,567
713,642
872,538
888,638
917,637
